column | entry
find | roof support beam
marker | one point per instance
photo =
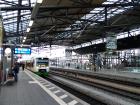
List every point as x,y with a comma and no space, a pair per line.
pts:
15,16
60,31
15,22
92,6
13,8
18,17
9,2
35,11
63,14
106,21
70,7
29,2
70,18
63,31
79,2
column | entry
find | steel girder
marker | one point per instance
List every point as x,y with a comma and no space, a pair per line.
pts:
69,7
83,22
16,16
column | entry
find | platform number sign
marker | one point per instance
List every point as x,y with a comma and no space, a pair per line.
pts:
111,42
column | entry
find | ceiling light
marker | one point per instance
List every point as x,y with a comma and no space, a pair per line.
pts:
28,29
21,45
7,51
23,41
39,1
25,38
31,23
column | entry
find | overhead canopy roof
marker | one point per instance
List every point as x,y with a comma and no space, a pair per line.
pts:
73,22
56,24
15,21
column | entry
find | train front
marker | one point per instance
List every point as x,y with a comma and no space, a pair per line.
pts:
42,65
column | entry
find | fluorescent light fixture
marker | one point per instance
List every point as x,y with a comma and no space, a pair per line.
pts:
25,38
39,1
28,29
31,23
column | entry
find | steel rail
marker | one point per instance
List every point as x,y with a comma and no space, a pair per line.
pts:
123,87
96,93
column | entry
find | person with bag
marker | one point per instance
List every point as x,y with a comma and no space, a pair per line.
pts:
15,71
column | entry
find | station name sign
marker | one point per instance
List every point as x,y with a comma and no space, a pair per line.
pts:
22,50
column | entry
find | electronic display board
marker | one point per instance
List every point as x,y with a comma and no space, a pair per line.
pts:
22,51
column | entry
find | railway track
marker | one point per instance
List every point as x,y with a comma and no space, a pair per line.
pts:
124,89
78,94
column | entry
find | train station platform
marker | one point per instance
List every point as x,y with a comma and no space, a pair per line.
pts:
34,90
122,75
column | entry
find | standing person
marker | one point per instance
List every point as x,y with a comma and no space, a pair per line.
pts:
23,66
16,70
104,63
124,63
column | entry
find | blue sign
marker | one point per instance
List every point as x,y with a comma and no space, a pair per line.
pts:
22,51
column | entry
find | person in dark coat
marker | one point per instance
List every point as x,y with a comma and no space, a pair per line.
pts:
15,71
23,66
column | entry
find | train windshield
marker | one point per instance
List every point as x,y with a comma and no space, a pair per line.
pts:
42,61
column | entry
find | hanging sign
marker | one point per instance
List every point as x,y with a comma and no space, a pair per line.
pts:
111,42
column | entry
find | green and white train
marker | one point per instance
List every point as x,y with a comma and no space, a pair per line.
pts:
38,65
